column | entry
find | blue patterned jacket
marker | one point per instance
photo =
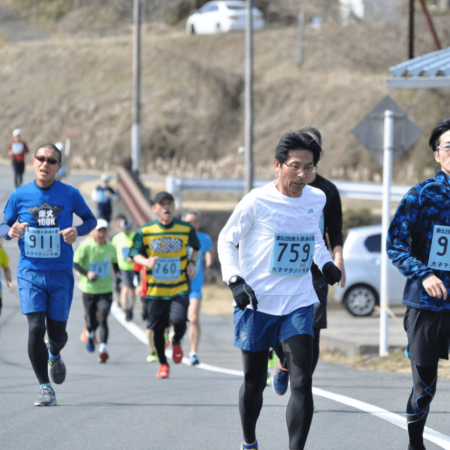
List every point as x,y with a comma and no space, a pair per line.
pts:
410,236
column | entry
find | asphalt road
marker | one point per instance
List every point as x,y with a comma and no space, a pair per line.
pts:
121,404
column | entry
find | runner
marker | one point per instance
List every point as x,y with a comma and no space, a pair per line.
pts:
122,242
39,215
102,195
17,150
4,262
417,243
117,279
277,230
330,224
161,246
195,296
93,259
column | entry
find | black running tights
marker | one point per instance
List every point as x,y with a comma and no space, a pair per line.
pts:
298,354
316,351
37,350
424,388
100,304
179,327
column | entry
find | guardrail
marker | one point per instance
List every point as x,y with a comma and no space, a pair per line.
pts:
349,189
133,198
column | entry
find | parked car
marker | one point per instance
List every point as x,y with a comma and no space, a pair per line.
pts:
362,259
222,17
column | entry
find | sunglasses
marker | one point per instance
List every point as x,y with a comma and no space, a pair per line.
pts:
43,159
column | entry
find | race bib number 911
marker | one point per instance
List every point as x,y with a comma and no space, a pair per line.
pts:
292,254
42,242
440,253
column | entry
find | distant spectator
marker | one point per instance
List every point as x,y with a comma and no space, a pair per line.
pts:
17,150
103,194
62,173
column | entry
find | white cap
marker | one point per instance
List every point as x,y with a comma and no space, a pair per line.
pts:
17,132
102,223
59,146
105,177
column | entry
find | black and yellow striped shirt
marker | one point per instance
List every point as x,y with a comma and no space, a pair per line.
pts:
168,278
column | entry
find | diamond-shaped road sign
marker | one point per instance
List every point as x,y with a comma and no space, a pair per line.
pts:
370,131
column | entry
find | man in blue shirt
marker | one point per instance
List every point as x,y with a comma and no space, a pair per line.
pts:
103,194
417,244
195,294
39,215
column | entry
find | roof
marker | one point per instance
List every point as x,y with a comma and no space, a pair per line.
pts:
427,71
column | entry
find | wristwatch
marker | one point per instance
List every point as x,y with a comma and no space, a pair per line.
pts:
233,279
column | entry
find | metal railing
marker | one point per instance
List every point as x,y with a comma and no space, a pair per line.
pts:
349,189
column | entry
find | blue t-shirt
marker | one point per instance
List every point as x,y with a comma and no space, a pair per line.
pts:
45,209
205,246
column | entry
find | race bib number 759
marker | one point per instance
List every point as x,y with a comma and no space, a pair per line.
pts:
292,254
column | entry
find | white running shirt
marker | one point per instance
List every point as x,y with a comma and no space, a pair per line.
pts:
260,215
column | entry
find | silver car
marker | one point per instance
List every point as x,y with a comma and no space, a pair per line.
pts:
362,259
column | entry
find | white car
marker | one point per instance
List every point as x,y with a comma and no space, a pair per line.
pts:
222,17
362,260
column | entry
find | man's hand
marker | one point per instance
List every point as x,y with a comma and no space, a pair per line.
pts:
435,287
150,262
331,273
10,285
69,235
339,263
190,269
243,294
17,230
92,276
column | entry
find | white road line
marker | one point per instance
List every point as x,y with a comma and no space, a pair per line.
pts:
439,439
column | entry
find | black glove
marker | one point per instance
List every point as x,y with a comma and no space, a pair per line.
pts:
243,294
331,273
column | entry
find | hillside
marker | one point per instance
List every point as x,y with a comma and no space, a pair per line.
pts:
192,96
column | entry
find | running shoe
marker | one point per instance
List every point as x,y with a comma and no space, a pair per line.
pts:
90,345
280,380
129,315
253,447
153,357
57,370
194,360
163,371
177,354
103,357
47,397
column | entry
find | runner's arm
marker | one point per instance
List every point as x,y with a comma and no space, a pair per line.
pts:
398,239
321,253
80,269
238,226
5,226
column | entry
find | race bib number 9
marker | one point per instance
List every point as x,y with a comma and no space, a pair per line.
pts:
42,242
439,254
167,269
101,268
292,254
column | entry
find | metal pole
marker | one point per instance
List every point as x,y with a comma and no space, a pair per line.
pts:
430,25
249,98
136,126
301,37
411,30
388,147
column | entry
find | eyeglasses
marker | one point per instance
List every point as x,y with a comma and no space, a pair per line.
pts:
445,146
297,169
43,159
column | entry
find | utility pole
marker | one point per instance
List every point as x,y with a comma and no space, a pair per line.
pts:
249,98
136,126
411,30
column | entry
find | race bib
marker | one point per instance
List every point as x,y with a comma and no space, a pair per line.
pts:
439,254
167,269
125,251
17,148
292,254
101,268
42,242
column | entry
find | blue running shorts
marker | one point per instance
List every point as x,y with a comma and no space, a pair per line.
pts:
46,291
255,331
195,294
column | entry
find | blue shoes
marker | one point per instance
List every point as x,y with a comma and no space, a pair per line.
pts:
90,345
280,380
250,447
